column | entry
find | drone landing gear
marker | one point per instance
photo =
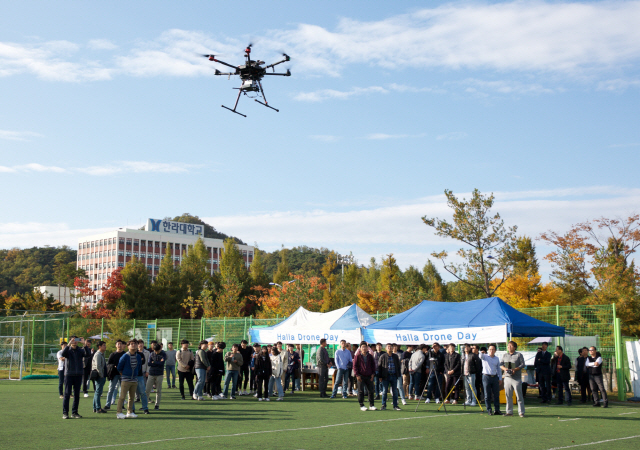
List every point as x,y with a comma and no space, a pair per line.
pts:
267,105
236,105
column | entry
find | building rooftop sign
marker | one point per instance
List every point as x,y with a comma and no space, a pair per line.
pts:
168,226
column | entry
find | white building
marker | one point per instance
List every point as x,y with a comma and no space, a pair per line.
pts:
101,254
63,294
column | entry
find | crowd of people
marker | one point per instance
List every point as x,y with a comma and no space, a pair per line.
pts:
421,372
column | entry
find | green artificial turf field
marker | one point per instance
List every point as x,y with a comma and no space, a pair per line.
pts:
32,419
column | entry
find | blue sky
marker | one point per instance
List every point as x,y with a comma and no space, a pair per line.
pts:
108,117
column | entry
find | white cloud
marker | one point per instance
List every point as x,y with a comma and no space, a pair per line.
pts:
453,136
106,169
101,44
324,94
377,231
481,87
384,136
399,228
325,137
17,135
618,84
47,61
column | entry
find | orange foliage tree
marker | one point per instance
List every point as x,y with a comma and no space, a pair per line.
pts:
301,291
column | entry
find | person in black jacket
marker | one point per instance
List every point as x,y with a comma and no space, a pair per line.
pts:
388,374
582,375
452,367
542,366
217,367
73,372
594,368
113,374
263,373
157,358
478,361
561,365
436,371
86,364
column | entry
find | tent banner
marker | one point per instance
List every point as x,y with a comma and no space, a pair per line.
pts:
304,337
466,335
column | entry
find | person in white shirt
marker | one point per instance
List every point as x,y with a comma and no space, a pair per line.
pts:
491,377
594,368
61,369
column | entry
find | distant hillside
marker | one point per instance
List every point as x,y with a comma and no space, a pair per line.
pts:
209,230
21,270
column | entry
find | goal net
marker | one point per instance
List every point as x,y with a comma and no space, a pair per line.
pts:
11,357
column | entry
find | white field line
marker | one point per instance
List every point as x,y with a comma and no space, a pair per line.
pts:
493,428
632,412
567,420
595,443
249,433
404,439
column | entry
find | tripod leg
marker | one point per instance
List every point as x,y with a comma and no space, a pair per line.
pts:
476,397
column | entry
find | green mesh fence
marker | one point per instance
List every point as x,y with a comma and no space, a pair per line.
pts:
43,332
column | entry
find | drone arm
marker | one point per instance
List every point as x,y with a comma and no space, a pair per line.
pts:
275,64
287,74
212,58
217,72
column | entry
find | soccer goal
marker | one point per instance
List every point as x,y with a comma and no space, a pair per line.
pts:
11,357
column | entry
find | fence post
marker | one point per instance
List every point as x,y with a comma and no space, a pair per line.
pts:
377,316
244,334
68,326
33,338
179,324
557,315
201,330
133,331
224,329
156,329
619,370
102,329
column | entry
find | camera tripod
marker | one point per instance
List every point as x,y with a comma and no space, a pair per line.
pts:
465,404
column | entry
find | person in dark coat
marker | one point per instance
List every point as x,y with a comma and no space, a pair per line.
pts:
542,366
86,364
388,373
453,369
263,373
73,373
582,375
561,365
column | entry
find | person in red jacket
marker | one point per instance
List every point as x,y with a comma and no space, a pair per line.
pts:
364,369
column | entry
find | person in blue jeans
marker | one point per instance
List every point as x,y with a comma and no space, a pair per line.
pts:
234,363
141,390
491,376
114,383
202,366
99,364
342,359
388,373
170,366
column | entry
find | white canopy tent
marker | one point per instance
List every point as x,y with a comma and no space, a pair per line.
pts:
306,327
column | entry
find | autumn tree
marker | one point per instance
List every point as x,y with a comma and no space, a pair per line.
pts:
301,291
593,263
167,288
258,274
485,235
330,294
283,272
112,290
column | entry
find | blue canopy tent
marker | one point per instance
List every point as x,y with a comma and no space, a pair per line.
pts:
475,321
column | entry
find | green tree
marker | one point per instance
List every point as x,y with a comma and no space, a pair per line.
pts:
193,269
137,290
484,232
258,275
232,264
330,294
389,273
522,256
167,288
283,273
435,288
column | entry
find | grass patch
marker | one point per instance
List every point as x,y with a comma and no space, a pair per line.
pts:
32,419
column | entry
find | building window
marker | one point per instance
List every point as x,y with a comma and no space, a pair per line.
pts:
136,242
128,241
135,254
120,264
128,253
120,253
157,256
149,267
156,268
121,240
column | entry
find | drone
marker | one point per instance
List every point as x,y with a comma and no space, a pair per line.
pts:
251,73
